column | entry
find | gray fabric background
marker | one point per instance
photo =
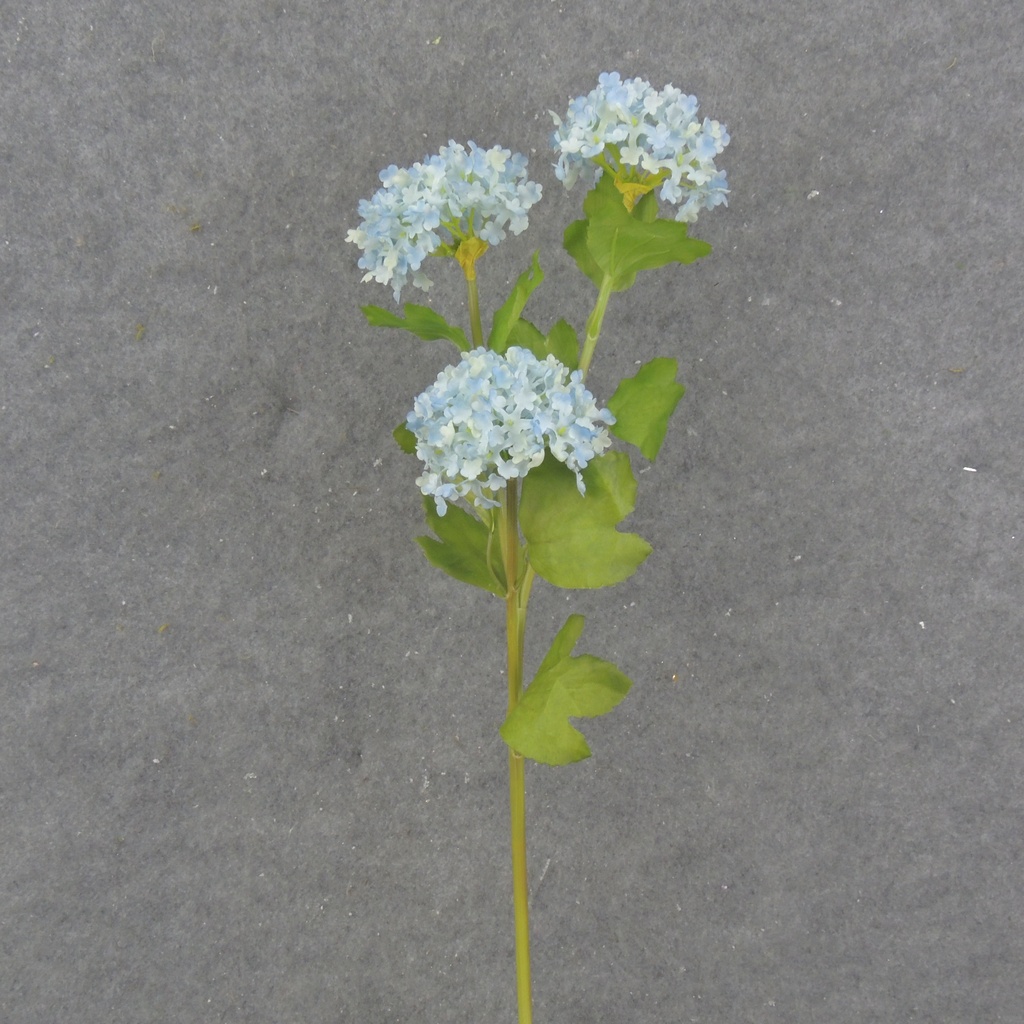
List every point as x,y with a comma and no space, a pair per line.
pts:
249,769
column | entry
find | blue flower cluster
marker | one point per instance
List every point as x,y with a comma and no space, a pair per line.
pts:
469,193
491,418
642,134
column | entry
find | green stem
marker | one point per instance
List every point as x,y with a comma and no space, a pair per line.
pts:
594,322
474,311
520,889
515,622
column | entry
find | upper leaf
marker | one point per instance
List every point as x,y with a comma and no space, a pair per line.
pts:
505,318
561,341
565,687
614,242
643,404
574,241
572,540
405,437
420,320
527,335
563,344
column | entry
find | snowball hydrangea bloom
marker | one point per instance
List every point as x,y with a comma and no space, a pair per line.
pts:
470,193
643,135
491,418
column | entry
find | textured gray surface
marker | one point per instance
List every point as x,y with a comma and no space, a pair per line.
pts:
249,769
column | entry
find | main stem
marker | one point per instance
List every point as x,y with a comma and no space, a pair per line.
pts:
519,576
519,582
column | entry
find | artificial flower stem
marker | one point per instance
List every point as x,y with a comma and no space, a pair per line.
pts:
515,622
594,322
520,889
474,309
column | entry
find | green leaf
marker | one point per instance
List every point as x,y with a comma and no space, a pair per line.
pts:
562,646
405,437
506,318
563,344
572,540
526,335
574,241
614,242
419,320
647,209
466,548
565,687
643,404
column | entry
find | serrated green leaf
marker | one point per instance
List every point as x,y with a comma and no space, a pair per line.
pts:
506,318
614,242
526,335
574,241
465,548
642,405
420,320
563,344
565,687
572,539
560,342
647,209
562,646
406,438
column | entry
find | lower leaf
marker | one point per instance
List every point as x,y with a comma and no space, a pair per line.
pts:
565,687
